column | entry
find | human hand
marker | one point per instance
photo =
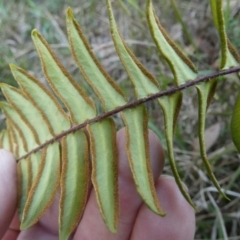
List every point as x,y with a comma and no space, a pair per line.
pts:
136,221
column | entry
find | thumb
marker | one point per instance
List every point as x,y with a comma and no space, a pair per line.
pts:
8,190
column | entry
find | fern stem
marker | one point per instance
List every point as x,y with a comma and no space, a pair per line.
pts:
135,103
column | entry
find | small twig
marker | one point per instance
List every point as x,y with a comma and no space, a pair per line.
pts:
134,104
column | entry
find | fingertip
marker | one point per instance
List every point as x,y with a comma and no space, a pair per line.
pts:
8,189
8,171
5,155
179,214
171,197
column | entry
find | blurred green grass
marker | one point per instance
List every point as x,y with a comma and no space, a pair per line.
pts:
18,18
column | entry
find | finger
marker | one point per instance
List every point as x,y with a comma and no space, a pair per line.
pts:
47,226
178,224
8,190
92,225
37,232
14,228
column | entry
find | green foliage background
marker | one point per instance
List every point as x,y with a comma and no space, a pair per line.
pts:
18,18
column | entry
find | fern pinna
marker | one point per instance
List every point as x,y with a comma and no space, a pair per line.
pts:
52,145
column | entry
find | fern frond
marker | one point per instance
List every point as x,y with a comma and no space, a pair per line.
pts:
74,181
52,145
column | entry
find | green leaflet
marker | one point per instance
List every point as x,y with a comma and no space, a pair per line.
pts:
229,58
143,87
27,172
105,170
136,122
218,18
205,93
75,176
79,105
102,134
181,66
107,90
23,169
5,140
35,160
171,107
143,80
41,97
235,124
31,115
216,7
15,138
44,187
16,142
10,136
27,141
183,70
229,55
18,151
